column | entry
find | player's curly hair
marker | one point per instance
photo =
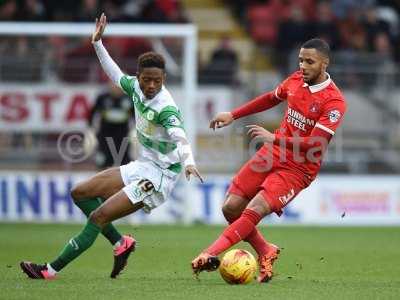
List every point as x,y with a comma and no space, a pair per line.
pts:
151,60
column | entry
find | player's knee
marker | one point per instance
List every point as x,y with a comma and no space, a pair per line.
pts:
230,212
98,217
260,205
77,193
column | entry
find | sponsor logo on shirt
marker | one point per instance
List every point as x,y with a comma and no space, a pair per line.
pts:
144,126
298,120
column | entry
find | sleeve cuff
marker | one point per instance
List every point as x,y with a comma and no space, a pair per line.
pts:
234,115
98,43
189,161
278,139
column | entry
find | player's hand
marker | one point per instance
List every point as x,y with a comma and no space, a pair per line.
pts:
222,119
100,26
192,170
256,131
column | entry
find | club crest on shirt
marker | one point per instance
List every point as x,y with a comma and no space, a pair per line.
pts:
150,115
334,116
314,108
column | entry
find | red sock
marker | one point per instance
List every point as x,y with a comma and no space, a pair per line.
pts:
255,239
235,232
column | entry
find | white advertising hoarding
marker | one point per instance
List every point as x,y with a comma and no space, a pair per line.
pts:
330,200
55,107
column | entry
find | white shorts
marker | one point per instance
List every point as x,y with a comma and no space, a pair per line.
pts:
145,181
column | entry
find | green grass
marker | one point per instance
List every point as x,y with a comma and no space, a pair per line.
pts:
316,263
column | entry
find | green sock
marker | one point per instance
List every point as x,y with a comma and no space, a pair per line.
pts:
109,231
76,246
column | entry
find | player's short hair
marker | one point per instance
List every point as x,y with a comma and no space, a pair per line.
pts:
318,44
151,60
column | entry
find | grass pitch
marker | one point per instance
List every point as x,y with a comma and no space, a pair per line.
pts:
315,263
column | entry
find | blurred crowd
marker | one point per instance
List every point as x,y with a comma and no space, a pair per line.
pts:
350,26
363,33
71,59
143,11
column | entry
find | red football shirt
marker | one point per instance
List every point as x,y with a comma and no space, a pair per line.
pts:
309,108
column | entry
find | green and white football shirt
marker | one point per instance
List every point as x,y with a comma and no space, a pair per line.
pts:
153,118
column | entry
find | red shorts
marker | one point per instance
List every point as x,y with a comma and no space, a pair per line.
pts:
277,183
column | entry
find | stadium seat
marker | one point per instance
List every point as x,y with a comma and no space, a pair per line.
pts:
262,24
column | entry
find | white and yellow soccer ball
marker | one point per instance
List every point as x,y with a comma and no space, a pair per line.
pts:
238,267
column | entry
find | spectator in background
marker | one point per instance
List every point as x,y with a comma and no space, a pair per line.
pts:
341,8
132,10
291,33
383,46
24,60
391,17
373,27
223,65
152,12
352,33
61,10
88,11
175,11
31,10
396,50
324,25
110,119
353,52
8,10
114,11
383,64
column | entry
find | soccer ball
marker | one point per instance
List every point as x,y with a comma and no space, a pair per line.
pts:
238,267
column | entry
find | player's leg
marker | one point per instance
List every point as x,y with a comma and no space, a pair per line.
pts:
278,189
232,208
91,193
114,208
103,184
256,209
117,206
245,186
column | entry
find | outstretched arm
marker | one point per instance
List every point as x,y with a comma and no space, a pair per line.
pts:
109,66
260,103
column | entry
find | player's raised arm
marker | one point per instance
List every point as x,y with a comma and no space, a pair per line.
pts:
109,66
260,103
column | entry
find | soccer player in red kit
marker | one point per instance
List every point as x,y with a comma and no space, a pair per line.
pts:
288,161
